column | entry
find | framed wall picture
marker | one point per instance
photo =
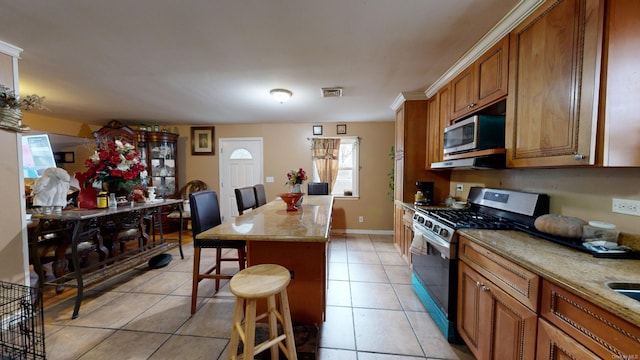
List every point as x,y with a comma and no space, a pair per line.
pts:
202,140
341,129
317,129
64,157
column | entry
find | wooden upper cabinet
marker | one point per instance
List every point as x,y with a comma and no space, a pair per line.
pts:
463,100
554,72
620,143
482,83
433,144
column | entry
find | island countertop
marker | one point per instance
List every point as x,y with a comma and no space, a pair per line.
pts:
577,272
272,222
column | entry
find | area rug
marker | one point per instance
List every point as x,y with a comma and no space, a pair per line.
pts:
306,341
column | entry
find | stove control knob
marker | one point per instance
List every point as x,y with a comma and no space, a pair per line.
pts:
428,223
444,232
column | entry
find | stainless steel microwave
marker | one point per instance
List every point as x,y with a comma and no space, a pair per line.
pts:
478,132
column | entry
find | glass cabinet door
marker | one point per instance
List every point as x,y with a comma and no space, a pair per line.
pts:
162,167
158,150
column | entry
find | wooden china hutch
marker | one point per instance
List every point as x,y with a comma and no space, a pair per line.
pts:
158,150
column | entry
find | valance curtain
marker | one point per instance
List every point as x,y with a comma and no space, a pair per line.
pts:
325,157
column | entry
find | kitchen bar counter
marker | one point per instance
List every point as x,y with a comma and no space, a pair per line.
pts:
272,222
577,272
296,240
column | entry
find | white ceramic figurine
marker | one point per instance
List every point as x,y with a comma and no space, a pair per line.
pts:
51,188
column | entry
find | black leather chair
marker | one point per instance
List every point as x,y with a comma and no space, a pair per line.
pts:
318,188
261,197
205,214
245,199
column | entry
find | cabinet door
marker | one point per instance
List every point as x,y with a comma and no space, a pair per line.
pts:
463,94
407,236
469,307
621,146
398,229
492,323
492,73
554,67
433,145
444,96
512,325
162,162
554,344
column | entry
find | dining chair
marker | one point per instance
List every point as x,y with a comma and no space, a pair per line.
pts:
245,199
318,188
190,187
205,214
261,197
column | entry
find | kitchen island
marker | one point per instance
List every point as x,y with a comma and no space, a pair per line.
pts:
296,240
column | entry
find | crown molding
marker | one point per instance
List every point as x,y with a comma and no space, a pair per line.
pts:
9,49
500,30
406,96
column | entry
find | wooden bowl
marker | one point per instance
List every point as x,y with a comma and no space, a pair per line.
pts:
291,199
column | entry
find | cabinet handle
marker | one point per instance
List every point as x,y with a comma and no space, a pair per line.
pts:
478,284
579,157
485,289
471,105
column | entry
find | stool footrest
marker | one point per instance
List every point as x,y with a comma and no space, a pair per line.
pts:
268,344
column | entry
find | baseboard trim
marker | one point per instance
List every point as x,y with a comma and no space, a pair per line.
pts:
362,231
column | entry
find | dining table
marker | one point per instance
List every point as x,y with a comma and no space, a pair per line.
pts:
75,230
296,239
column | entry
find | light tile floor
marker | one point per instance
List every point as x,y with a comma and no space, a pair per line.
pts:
372,312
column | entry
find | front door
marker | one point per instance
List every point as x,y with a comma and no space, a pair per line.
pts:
240,166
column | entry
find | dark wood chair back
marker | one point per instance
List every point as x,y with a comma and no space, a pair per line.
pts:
245,199
261,197
205,211
318,188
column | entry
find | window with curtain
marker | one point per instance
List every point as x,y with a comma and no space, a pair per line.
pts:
336,161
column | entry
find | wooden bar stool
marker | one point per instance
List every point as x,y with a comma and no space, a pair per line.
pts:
249,285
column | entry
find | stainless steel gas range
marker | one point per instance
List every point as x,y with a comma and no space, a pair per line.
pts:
435,245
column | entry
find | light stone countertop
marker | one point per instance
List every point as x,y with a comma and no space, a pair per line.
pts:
577,272
272,222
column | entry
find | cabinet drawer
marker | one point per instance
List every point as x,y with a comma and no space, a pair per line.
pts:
553,343
607,335
517,281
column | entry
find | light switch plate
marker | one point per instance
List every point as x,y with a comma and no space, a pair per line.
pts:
270,179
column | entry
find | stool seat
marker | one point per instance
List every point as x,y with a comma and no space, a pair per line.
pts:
259,281
265,281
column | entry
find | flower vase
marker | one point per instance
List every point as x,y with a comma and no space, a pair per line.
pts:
296,189
87,197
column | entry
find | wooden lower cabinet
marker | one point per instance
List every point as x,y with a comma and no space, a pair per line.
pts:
403,230
607,335
493,324
555,344
498,320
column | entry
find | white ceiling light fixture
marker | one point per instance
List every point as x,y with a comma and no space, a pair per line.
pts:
281,95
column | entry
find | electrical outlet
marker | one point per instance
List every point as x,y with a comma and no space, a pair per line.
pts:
625,206
459,187
361,218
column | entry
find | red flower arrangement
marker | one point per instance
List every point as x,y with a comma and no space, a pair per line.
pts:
296,177
118,165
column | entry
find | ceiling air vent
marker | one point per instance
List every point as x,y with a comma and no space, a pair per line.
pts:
332,92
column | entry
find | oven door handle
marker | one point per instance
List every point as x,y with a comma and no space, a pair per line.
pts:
442,246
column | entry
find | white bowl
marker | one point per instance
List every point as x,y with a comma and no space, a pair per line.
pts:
459,204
